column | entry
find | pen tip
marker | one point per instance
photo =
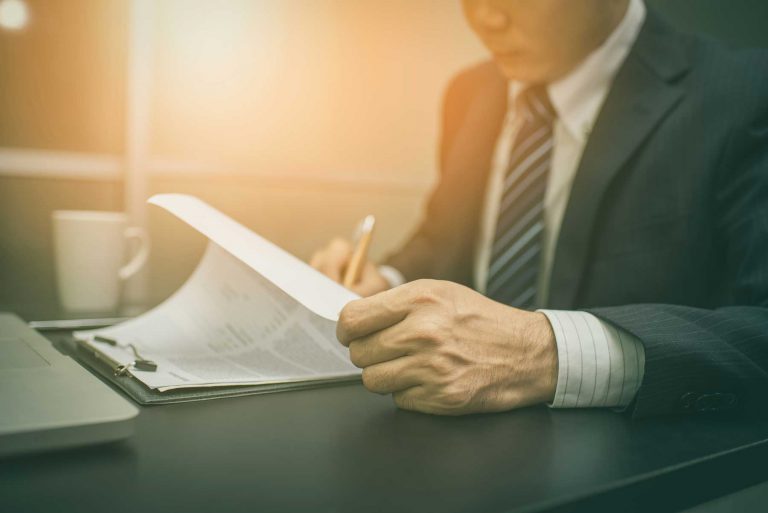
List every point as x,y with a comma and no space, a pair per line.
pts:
368,222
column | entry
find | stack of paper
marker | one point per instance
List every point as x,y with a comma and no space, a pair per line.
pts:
250,314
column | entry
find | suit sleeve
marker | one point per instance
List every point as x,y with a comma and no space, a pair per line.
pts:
707,361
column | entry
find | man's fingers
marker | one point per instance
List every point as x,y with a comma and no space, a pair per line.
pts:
364,316
371,281
364,354
333,259
391,376
382,346
327,268
411,399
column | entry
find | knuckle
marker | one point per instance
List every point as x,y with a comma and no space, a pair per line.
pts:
424,296
440,367
455,398
428,291
402,341
346,324
371,380
347,315
354,354
416,287
429,330
403,401
366,377
357,353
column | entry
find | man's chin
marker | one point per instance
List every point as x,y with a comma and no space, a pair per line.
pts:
523,72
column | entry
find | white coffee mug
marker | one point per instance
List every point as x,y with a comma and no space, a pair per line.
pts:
90,248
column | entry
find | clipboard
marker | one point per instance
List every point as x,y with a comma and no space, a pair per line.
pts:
105,369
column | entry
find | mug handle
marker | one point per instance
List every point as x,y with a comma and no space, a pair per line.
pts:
141,256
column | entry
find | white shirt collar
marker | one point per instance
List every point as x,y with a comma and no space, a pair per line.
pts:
578,96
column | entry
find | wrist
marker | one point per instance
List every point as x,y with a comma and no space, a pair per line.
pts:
541,336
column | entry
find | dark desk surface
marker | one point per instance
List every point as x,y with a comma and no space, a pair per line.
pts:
344,449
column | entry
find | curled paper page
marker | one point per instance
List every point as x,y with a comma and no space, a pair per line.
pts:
312,289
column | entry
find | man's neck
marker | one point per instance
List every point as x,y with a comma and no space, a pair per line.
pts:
616,10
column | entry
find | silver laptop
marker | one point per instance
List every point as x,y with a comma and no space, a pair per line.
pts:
48,401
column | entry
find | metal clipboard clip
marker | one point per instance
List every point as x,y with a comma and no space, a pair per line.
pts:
124,369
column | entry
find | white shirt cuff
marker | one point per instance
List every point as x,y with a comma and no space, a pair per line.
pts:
599,365
392,275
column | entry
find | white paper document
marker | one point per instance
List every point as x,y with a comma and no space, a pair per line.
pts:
250,314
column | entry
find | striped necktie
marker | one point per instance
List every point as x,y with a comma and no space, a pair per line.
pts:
517,244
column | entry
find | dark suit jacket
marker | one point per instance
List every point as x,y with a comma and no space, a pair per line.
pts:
666,230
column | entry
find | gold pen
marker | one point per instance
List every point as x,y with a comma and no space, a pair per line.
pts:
360,253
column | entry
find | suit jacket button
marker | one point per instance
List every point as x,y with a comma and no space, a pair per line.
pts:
725,401
687,400
707,403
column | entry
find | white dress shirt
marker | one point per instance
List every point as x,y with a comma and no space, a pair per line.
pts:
598,363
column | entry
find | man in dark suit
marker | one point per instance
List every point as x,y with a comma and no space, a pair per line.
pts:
609,171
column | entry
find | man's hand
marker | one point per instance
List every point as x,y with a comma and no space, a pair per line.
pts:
332,261
439,347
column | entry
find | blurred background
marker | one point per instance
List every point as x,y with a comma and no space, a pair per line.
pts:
296,117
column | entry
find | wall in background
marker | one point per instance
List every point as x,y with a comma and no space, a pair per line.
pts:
339,88
62,79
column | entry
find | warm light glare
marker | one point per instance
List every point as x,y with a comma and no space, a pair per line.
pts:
13,14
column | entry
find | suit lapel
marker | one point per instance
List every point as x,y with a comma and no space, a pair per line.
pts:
645,90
